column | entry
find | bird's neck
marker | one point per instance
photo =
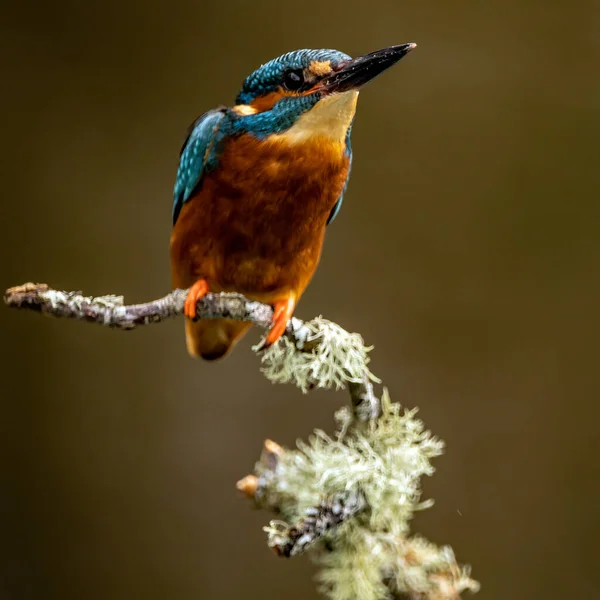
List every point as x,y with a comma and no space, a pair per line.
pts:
298,120
330,119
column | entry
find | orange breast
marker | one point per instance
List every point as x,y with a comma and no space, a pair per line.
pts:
257,224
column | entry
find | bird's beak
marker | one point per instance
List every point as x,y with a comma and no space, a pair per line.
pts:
356,72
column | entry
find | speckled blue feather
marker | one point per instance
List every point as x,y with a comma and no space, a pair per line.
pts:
198,155
269,76
281,117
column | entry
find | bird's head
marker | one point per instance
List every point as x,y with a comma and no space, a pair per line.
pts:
309,92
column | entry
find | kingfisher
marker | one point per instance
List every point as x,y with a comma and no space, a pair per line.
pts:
258,183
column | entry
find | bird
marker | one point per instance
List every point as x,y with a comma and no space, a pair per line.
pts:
258,183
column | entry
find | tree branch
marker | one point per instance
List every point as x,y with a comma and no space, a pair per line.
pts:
293,540
112,311
402,567
366,477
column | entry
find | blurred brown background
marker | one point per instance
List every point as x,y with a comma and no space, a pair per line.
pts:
467,252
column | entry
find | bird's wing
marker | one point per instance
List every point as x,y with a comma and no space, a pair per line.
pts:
336,209
197,151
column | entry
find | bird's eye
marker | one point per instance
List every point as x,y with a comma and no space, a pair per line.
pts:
293,80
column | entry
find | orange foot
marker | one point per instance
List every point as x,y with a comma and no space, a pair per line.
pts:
282,313
197,292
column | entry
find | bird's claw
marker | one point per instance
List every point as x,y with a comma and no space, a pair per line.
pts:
282,313
195,293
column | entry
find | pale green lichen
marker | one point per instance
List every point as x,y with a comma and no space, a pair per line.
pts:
369,566
383,462
336,357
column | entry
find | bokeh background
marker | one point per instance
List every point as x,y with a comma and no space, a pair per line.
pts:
467,252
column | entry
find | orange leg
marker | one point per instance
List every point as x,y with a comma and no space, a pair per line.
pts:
283,311
197,292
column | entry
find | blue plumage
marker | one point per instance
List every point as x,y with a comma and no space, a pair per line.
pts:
281,117
268,77
198,154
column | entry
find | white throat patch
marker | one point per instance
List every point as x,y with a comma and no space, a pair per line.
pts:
330,118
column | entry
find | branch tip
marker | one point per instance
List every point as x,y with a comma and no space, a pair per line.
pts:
272,447
248,486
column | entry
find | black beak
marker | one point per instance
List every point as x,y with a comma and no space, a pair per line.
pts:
358,71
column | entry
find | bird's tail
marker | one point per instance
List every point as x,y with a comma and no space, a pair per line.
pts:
213,339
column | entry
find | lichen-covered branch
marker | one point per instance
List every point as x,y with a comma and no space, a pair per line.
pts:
350,498
317,521
311,354
366,405
113,312
345,499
